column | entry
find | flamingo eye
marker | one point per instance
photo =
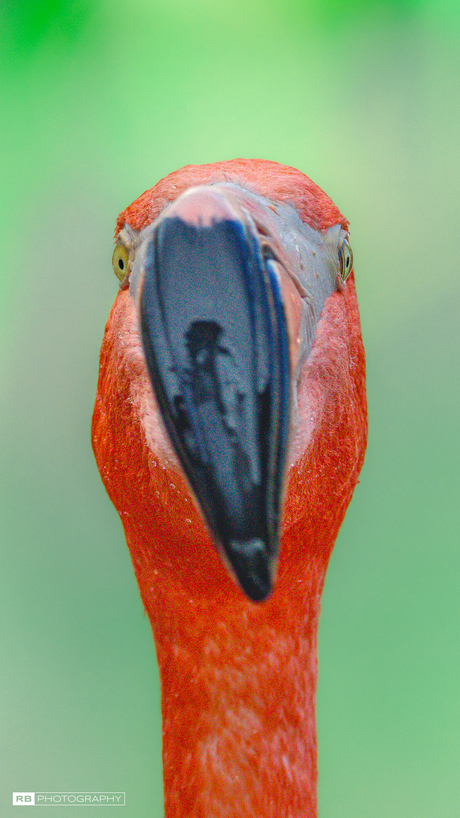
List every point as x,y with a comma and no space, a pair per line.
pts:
345,260
120,260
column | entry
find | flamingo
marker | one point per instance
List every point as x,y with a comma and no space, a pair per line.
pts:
229,429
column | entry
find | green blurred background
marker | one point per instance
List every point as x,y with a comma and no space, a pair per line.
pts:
99,101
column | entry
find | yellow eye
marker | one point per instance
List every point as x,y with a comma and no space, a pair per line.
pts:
120,260
345,260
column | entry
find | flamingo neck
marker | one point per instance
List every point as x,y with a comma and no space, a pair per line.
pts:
238,683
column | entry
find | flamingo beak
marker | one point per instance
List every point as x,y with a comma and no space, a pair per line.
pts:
215,338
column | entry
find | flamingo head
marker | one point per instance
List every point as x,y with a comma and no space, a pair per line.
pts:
236,335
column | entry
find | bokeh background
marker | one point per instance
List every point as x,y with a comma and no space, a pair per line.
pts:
100,100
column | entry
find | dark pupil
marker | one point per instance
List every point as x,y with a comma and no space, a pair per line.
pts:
121,264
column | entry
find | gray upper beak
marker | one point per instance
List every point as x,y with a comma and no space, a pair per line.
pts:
216,343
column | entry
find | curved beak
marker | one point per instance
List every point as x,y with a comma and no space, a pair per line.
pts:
216,341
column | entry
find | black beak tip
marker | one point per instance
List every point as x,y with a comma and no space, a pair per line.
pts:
252,568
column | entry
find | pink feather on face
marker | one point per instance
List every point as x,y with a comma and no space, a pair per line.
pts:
269,179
